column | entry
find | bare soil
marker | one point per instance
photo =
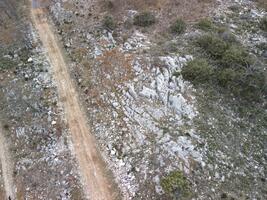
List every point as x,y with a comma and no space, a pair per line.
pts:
93,172
6,166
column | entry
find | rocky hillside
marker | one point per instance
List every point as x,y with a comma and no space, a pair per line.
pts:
30,118
175,93
174,90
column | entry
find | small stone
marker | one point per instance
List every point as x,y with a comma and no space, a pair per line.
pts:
30,60
223,196
264,54
112,152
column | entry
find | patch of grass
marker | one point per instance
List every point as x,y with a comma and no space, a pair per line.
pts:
226,76
205,24
234,8
144,19
169,47
236,56
263,24
212,45
232,68
251,85
262,46
227,36
6,126
262,4
6,63
109,4
176,185
197,71
109,23
24,54
128,24
238,82
178,27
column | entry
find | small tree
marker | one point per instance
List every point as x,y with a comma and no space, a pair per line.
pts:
108,23
197,71
205,24
263,24
144,19
178,27
176,185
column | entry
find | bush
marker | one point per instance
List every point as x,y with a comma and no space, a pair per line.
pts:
232,67
234,8
263,24
205,24
213,45
262,46
197,71
226,77
6,63
108,23
228,37
178,27
109,4
248,84
176,185
170,47
144,19
236,56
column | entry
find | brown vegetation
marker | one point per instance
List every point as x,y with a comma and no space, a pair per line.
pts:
165,11
262,3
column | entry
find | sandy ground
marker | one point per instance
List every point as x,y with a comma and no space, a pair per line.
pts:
6,166
92,169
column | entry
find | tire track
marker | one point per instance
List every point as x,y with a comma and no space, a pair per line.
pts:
97,185
7,167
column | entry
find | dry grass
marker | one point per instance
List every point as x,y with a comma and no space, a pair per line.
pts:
7,36
189,10
10,22
166,11
116,65
262,4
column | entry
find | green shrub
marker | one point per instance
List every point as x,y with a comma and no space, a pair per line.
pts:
262,46
226,77
232,67
263,24
144,19
178,27
205,24
248,84
228,37
169,47
213,45
108,23
234,8
197,71
128,24
236,56
24,54
176,185
109,4
6,63
254,83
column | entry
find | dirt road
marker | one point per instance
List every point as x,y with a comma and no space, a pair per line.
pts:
6,167
92,168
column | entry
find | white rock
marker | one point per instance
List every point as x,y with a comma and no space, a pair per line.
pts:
148,93
30,60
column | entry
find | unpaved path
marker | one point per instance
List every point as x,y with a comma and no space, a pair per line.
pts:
6,166
92,168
